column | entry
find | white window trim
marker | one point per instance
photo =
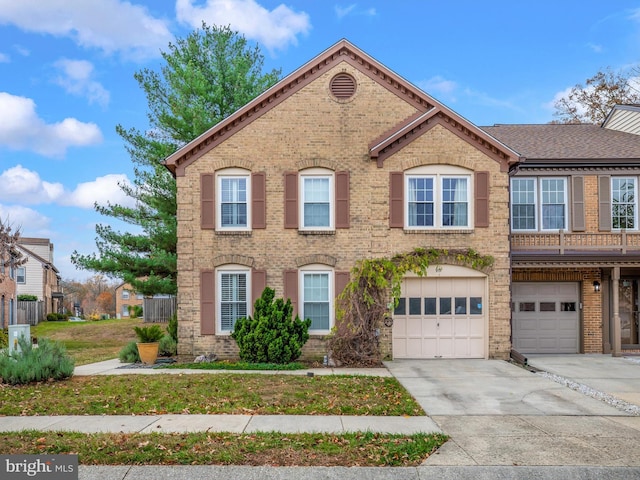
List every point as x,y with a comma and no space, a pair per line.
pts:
537,198
319,173
125,294
24,275
232,269
232,173
323,269
439,173
635,196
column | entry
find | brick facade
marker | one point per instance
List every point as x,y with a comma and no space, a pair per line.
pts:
311,128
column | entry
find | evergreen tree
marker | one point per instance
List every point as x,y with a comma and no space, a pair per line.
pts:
206,77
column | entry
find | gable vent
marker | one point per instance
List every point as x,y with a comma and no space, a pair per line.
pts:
343,86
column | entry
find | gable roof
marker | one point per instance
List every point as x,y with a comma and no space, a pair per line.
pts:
45,263
431,112
624,118
569,143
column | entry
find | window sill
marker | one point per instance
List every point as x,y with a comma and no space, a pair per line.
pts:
464,231
234,233
316,232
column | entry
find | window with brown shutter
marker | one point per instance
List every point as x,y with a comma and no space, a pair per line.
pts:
207,201
341,281
258,200
577,198
481,199
604,203
258,284
291,200
291,289
207,302
396,199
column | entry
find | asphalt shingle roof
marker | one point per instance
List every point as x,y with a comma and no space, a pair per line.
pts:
562,141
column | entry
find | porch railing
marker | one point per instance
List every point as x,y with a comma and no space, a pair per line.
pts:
610,241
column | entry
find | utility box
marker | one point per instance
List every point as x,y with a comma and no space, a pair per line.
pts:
15,332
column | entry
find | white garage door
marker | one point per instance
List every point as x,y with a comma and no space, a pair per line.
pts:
440,318
546,317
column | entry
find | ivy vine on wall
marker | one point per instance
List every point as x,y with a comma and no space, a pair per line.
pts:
372,293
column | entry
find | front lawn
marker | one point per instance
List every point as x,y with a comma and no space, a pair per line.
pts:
223,393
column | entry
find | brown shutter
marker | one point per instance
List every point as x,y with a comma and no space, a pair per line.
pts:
207,201
291,289
341,280
291,200
342,200
604,203
481,199
207,302
258,200
258,284
396,199
577,194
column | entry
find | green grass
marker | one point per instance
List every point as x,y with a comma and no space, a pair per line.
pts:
273,449
227,365
211,394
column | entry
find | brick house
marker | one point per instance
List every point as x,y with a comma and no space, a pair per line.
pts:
126,297
39,276
343,160
575,245
7,296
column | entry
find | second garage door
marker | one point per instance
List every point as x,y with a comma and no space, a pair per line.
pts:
546,317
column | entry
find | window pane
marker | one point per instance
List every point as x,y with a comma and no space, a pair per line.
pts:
553,204
623,208
454,202
316,200
445,306
420,202
414,306
401,308
430,306
523,204
233,203
233,299
316,300
475,306
461,306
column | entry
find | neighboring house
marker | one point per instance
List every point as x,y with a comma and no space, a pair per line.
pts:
126,297
344,160
39,276
575,243
7,296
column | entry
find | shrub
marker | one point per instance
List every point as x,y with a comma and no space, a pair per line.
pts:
28,364
271,336
172,328
129,353
25,297
4,338
57,317
135,311
149,334
167,347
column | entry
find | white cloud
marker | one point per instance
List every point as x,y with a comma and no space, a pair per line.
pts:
77,79
22,129
25,186
109,25
273,29
30,222
596,48
4,58
439,86
342,12
102,190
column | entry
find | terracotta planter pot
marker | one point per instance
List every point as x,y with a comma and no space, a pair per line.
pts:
148,352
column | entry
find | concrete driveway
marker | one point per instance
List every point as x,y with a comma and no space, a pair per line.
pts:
497,413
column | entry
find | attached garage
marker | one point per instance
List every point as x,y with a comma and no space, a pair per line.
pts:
441,316
546,317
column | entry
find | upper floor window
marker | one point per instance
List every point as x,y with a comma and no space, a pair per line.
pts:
233,291
125,294
234,198
623,203
437,200
139,296
316,298
538,203
316,206
21,275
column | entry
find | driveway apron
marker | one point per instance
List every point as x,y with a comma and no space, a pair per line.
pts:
498,413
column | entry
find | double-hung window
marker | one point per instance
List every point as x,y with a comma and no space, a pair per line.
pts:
438,200
233,293
538,203
234,192
317,197
317,294
21,275
623,203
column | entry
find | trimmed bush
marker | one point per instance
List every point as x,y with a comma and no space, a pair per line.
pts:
57,317
47,361
26,297
271,336
135,311
129,353
167,346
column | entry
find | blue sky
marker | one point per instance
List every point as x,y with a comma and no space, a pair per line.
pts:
67,66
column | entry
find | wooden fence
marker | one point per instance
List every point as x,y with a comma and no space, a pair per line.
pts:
30,312
159,309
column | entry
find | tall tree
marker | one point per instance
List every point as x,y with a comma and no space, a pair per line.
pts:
592,102
206,77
